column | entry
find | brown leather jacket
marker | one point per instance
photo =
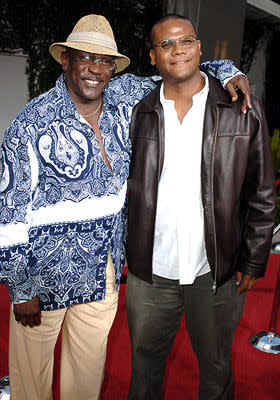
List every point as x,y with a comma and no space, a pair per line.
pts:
237,183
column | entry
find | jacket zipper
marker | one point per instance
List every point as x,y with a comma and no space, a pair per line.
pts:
160,145
159,163
214,287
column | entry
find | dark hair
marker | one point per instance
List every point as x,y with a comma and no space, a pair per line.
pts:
166,18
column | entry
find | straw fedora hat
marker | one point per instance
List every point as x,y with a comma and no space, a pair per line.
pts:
92,34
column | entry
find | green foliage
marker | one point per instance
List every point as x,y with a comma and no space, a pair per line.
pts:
275,147
278,211
34,25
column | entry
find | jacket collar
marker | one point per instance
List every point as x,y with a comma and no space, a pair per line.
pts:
217,93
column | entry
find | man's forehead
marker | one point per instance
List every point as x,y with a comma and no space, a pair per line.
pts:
173,27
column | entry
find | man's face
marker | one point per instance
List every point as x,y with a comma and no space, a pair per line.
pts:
85,80
178,63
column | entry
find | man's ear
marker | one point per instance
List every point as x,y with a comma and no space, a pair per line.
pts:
64,60
153,57
199,44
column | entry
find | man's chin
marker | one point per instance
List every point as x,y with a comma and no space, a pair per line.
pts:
91,94
184,76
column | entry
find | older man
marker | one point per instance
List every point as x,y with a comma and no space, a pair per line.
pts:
200,216
65,162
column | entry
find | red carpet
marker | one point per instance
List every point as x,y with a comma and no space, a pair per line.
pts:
256,374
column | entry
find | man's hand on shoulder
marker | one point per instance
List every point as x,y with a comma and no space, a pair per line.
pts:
242,83
28,313
245,282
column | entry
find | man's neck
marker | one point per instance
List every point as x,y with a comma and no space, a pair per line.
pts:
182,93
176,90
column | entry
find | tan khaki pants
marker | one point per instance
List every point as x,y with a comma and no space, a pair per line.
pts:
85,329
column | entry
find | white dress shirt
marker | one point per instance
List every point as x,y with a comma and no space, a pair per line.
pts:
179,247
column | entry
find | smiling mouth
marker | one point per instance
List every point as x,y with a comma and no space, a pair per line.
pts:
180,62
92,82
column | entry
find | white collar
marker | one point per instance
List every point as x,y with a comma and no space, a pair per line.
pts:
201,93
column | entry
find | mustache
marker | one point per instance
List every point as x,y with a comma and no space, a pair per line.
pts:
92,77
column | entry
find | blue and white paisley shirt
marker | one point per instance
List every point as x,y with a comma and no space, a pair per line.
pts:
61,207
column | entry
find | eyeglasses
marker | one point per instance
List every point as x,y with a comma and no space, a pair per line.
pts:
185,42
90,59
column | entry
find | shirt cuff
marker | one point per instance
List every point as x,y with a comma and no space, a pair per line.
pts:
19,302
22,301
226,80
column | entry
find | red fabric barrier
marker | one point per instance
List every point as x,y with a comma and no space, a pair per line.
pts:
256,374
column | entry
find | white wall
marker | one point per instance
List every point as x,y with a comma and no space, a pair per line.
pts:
13,89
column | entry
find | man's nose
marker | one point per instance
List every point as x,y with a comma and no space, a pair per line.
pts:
177,48
95,67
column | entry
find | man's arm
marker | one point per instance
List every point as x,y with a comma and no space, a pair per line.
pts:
259,202
231,79
15,207
136,88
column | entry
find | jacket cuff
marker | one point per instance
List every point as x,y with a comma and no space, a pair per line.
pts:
256,270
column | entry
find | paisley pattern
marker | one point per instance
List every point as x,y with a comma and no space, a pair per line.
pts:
68,261
223,70
51,157
65,149
14,273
